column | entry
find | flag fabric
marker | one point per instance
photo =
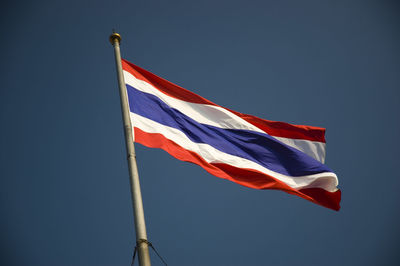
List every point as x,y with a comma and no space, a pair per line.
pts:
242,148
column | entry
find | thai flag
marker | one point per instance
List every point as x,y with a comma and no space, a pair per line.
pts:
242,148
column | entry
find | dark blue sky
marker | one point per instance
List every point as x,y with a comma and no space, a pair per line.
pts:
64,187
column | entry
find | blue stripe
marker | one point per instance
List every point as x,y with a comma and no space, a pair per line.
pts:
257,147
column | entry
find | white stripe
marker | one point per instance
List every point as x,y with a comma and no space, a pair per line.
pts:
313,148
327,180
221,118
202,113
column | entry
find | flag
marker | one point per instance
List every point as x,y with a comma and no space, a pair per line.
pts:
245,149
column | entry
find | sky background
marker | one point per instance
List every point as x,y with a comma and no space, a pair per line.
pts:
64,185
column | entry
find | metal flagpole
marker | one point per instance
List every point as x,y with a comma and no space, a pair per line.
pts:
140,226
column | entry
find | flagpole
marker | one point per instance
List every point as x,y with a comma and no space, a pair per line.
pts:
140,226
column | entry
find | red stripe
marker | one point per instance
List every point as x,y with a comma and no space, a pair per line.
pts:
285,130
246,177
273,128
325,198
164,85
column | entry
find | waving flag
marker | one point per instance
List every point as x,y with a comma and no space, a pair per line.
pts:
242,148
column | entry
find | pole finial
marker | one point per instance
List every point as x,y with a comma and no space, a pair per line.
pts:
115,36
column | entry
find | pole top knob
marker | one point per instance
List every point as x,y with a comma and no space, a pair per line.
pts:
115,36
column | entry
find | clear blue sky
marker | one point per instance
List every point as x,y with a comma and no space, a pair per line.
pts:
64,187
